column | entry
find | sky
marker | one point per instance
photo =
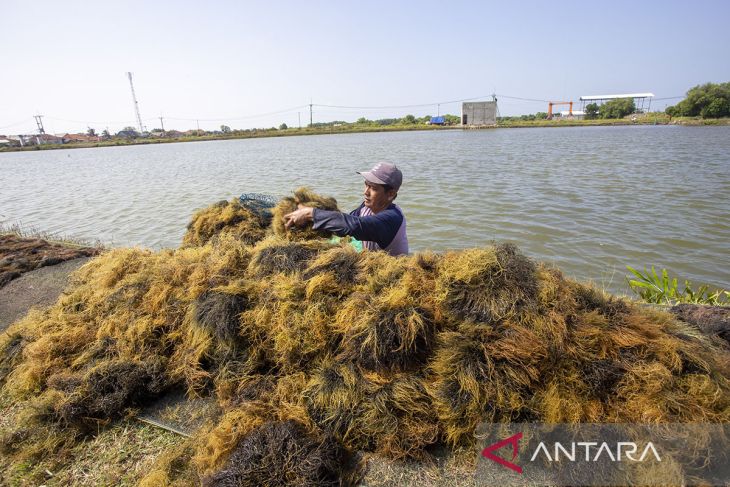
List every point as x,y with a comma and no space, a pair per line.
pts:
260,64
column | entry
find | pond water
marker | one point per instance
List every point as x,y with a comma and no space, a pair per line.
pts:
589,200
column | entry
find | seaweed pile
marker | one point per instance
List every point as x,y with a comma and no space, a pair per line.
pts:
315,352
24,254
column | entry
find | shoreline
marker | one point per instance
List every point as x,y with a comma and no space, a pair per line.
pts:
646,119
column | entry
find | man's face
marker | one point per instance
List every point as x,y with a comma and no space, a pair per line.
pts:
376,197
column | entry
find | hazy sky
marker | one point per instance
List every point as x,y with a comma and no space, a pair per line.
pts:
227,62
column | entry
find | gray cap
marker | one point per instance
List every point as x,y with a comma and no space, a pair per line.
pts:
384,173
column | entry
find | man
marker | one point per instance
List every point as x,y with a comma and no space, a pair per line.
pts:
377,222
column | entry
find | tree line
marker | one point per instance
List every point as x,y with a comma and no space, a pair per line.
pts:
711,100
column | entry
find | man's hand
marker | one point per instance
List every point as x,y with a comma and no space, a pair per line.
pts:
300,217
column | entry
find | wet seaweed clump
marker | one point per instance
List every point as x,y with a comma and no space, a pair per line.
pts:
589,299
382,337
334,398
711,320
220,312
486,285
226,217
306,197
274,256
482,374
283,453
336,269
108,389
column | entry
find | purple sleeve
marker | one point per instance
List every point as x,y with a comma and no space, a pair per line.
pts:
380,228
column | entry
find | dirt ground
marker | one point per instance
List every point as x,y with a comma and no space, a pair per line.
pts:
40,287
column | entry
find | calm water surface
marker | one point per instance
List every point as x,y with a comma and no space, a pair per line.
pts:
588,199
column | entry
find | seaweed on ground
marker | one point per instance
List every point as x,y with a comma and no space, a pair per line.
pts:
20,254
383,336
220,312
711,320
275,255
225,217
282,453
486,285
315,352
107,390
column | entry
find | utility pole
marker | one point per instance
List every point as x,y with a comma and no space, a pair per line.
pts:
162,124
198,123
310,113
136,105
39,123
41,130
299,117
438,110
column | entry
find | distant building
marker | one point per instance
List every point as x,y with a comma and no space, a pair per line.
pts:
79,138
642,101
479,113
39,139
128,134
576,115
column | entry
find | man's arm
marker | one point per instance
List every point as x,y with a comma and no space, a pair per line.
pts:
380,228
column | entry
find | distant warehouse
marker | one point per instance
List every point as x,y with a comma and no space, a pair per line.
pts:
642,101
479,113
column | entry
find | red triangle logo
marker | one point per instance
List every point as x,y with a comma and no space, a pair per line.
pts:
512,440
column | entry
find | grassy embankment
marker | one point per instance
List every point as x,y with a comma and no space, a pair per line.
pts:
644,119
639,119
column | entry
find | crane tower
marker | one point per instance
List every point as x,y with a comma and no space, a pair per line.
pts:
136,105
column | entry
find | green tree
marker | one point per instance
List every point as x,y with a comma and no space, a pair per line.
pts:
105,134
592,111
225,129
91,132
452,119
541,115
283,126
362,121
719,107
711,100
408,119
617,108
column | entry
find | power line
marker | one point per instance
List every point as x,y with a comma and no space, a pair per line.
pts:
107,122
243,117
535,100
14,124
418,105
